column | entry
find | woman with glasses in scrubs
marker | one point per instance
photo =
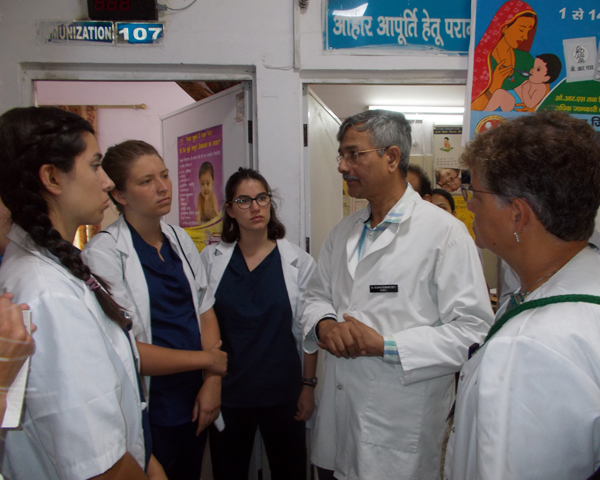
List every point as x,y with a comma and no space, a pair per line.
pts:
259,278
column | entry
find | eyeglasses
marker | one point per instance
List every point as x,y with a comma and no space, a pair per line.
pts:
244,201
467,191
352,157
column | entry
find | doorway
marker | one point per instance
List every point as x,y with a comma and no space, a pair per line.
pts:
136,110
129,109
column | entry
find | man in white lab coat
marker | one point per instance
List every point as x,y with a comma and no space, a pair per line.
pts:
397,299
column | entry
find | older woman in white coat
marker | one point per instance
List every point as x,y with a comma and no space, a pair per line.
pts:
259,278
528,403
83,409
157,276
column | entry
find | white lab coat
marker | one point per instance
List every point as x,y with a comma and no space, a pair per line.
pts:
528,403
511,282
112,256
82,407
378,420
297,265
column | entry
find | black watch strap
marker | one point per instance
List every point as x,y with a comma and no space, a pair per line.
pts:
310,382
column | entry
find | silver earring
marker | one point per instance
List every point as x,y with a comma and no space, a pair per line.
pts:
517,237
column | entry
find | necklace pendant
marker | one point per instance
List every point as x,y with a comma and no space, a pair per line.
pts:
520,297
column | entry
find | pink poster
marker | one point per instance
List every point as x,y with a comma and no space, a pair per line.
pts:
200,160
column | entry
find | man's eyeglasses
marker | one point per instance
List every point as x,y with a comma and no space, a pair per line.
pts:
352,157
244,201
467,191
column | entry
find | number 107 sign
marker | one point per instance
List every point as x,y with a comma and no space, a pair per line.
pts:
140,32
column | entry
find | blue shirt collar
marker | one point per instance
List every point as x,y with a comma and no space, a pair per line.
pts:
395,213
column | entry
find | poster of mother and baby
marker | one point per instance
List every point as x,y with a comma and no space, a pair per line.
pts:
537,55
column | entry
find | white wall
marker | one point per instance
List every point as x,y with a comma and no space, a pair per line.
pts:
118,124
215,39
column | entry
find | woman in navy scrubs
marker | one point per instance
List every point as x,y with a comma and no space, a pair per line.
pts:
157,276
258,278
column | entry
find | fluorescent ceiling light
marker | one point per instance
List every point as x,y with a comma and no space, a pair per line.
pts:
436,119
353,12
420,109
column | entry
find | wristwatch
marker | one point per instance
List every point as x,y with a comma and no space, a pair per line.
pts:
310,382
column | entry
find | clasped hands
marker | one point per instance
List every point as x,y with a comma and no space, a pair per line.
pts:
350,338
208,401
218,360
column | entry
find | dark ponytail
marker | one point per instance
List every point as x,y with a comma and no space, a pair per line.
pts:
29,138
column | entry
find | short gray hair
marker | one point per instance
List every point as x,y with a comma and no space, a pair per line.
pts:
551,160
385,128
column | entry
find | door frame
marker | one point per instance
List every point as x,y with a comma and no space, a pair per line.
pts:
103,72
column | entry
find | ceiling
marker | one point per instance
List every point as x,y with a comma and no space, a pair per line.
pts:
199,90
346,100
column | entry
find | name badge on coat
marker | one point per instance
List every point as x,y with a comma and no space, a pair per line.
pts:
383,288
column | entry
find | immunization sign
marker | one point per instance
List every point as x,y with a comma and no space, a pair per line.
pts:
100,33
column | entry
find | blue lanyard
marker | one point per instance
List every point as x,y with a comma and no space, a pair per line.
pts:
362,240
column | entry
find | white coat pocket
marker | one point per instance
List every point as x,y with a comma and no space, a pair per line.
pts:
393,416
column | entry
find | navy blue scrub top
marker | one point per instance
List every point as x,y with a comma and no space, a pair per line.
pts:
255,319
174,325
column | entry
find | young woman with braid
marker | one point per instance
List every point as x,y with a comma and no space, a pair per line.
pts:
83,411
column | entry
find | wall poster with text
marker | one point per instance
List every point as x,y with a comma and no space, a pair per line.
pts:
436,26
539,54
448,174
200,162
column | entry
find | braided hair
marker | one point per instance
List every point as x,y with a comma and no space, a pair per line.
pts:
29,138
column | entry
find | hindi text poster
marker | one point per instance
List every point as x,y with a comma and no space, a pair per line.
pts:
200,162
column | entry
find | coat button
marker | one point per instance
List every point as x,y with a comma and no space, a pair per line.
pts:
339,387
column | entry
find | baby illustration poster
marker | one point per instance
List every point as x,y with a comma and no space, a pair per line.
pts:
447,149
539,54
200,174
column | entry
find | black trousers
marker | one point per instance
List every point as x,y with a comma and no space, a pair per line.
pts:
284,439
179,450
324,474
